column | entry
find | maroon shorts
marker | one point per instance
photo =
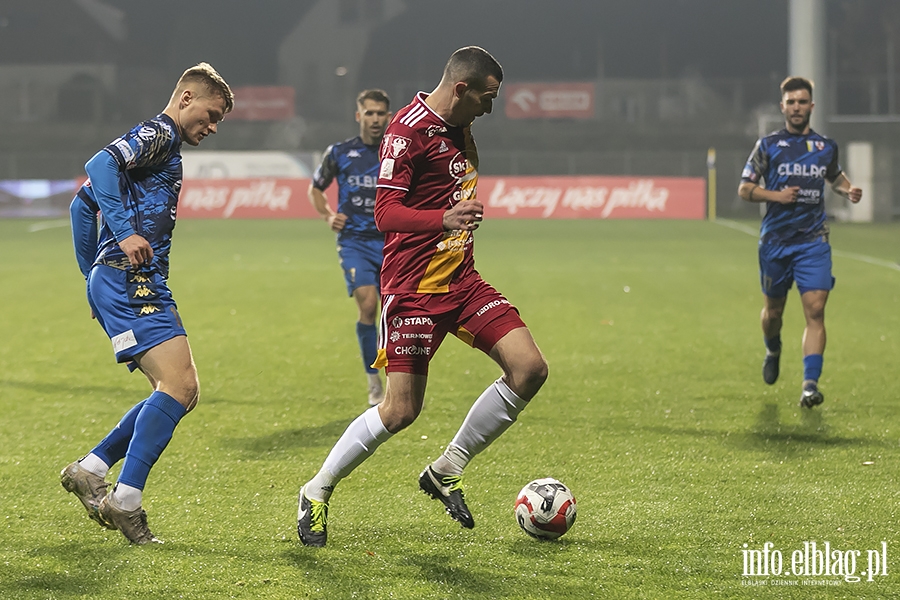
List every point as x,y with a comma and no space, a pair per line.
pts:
414,325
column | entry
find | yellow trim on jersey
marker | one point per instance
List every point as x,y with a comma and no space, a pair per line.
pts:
451,250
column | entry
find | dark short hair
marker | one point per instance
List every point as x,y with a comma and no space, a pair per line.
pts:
472,65
792,84
375,95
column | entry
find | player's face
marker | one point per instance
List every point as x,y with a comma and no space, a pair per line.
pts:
200,116
372,117
476,101
796,106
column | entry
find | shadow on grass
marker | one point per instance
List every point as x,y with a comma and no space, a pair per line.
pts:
812,430
307,437
34,579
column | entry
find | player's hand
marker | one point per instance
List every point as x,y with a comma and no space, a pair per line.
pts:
787,195
137,249
854,194
337,222
464,216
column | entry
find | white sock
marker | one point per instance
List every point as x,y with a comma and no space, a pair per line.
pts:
94,464
495,410
358,442
127,497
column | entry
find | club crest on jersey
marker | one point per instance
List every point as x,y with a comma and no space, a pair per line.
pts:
817,144
394,146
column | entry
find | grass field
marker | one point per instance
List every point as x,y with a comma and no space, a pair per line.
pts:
655,414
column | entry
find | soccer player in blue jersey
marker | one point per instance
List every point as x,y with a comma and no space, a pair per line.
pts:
122,222
795,163
354,162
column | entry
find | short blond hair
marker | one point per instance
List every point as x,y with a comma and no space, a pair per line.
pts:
204,73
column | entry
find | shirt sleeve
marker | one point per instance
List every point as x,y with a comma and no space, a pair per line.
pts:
392,215
326,171
757,164
834,167
84,233
103,171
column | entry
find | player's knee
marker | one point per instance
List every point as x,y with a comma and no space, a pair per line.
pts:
530,376
189,394
397,418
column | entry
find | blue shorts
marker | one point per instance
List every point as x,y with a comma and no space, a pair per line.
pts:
361,261
808,264
134,308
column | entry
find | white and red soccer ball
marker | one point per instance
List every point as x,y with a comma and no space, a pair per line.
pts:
545,509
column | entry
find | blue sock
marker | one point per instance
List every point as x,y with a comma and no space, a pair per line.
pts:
153,429
773,345
368,345
113,447
812,367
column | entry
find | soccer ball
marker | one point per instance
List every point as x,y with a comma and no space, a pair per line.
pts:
545,509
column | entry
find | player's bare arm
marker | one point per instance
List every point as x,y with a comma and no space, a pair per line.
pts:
842,186
465,216
752,192
137,249
336,221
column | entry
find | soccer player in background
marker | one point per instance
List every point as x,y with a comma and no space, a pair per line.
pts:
427,205
359,243
795,163
133,184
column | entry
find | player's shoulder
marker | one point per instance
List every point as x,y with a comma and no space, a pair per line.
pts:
773,137
344,146
417,118
160,126
816,136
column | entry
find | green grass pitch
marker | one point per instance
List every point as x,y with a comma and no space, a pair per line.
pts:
655,414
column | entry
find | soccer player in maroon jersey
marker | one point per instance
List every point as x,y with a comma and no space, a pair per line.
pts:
427,205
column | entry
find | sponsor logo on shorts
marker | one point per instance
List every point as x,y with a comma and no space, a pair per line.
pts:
148,309
414,336
412,351
490,305
123,341
143,291
397,322
395,335
417,321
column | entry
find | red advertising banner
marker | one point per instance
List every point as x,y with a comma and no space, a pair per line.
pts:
263,103
549,100
245,199
548,197
593,197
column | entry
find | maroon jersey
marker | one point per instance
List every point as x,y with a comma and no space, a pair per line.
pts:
427,166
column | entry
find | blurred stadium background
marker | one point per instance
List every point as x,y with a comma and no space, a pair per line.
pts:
652,85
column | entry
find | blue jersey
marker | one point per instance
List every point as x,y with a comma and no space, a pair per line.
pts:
785,159
355,165
135,189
